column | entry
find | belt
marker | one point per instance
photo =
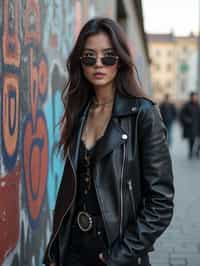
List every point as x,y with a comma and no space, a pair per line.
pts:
88,223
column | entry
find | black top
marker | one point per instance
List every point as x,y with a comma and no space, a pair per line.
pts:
86,193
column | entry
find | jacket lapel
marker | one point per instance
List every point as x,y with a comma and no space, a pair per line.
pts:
114,136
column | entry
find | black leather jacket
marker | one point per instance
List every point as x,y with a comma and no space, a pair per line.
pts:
133,179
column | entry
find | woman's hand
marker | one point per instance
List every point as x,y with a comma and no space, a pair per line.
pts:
101,257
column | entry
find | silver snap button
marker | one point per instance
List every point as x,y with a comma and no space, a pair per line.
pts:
139,260
124,136
133,109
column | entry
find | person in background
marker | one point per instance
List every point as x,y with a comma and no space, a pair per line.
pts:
168,112
190,120
116,194
197,139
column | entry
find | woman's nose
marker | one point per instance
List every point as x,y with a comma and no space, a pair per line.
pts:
99,62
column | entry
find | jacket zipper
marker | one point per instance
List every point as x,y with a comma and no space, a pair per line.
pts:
121,190
130,186
74,196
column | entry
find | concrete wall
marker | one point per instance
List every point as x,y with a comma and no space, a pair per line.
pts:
137,46
36,37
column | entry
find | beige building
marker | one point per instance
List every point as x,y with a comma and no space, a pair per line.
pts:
170,65
186,66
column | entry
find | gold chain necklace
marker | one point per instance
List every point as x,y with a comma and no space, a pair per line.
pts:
96,104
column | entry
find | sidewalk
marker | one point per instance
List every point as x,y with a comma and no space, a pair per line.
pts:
180,244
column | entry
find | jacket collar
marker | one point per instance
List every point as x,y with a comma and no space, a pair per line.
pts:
124,105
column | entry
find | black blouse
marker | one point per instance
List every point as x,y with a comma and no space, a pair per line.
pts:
86,193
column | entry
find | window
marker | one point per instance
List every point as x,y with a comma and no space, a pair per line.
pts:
157,67
168,84
158,53
185,49
157,85
168,67
169,53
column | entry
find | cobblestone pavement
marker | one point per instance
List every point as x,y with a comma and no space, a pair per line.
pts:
180,243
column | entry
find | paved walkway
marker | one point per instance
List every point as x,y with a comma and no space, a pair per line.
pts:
180,244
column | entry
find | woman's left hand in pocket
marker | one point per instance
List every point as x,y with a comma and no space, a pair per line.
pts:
101,257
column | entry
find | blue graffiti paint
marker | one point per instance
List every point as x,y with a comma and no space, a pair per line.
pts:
55,161
9,160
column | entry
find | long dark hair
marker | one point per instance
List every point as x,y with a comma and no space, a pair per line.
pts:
78,90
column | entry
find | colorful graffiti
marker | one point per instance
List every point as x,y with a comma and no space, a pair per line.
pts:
36,39
59,28
10,84
10,116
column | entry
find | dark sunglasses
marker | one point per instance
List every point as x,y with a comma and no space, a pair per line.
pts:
108,60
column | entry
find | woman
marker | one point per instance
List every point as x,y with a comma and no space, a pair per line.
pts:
189,117
116,194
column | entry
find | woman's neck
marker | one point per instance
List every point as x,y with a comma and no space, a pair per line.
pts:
104,94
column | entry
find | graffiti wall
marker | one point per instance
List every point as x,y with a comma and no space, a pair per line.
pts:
36,37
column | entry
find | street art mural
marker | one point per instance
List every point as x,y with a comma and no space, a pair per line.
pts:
36,38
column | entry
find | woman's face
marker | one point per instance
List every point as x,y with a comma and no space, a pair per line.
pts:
99,74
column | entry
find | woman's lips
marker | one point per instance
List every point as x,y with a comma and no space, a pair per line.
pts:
99,75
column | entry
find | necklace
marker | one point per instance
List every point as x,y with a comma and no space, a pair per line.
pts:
96,104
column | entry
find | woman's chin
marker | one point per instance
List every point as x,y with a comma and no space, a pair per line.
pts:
99,83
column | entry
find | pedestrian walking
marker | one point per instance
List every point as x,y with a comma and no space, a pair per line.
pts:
116,194
190,120
168,112
197,139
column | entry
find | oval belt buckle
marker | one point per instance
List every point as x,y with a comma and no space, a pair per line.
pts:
84,221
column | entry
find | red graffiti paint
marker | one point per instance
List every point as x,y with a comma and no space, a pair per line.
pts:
35,160
78,20
35,138
53,40
32,23
10,130
11,43
38,81
9,212
11,57
42,76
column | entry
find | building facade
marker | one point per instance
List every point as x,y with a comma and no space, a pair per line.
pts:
36,38
186,66
173,65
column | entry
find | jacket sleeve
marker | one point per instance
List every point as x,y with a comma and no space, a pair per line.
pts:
157,179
